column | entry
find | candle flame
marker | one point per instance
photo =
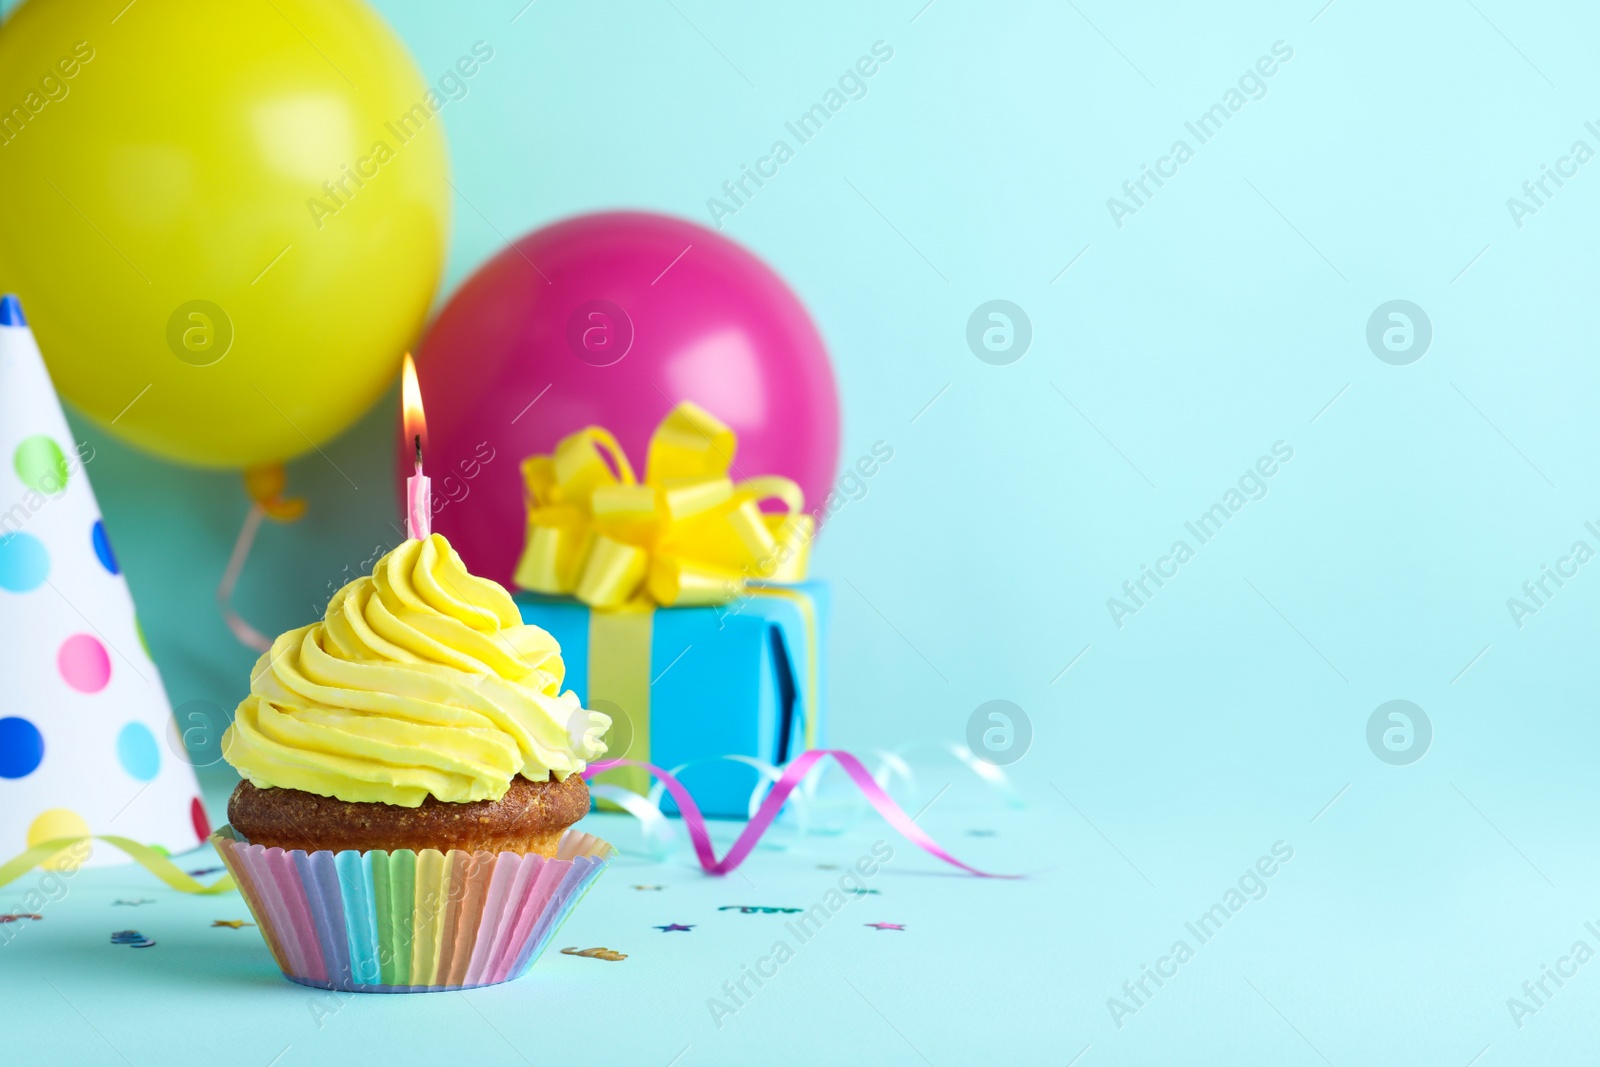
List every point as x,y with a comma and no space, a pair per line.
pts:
416,426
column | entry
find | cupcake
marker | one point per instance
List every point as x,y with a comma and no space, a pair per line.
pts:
411,773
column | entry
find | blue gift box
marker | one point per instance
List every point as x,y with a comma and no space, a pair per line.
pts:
698,683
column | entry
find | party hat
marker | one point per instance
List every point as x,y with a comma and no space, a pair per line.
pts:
87,742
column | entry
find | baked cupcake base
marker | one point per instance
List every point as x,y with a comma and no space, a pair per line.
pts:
529,818
404,921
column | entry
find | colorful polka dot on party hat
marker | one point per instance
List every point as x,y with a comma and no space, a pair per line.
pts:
102,547
21,747
24,563
83,663
137,751
11,311
197,816
58,822
40,464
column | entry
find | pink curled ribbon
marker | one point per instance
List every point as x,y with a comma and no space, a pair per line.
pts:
767,813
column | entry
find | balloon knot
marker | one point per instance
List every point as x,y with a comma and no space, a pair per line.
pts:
266,484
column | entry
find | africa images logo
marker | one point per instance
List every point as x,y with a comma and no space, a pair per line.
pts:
1253,884
351,179
1137,192
852,85
53,88
1252,485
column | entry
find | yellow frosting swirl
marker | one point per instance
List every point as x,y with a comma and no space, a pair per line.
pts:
419,680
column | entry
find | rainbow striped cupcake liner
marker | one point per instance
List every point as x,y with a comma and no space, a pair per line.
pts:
405,921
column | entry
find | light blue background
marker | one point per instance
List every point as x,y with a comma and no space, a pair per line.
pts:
1227,314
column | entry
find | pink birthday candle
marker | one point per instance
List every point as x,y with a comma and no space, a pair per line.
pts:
419,489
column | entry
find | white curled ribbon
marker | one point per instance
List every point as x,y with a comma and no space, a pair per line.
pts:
895,765
806,803
661,840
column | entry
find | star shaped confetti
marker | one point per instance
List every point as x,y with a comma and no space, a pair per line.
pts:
596,953
885,926
131,938
667,929
233,924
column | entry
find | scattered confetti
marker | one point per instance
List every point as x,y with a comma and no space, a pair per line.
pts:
596,953
667,929
885,926
864,892
647,887
131,938
746,909
203,871
11,918
133,903
231,923
980,833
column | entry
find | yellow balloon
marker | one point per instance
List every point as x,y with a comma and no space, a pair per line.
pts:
225,220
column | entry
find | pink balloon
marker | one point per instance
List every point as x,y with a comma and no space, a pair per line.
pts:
610,320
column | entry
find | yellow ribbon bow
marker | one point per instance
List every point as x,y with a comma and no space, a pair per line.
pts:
688,535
